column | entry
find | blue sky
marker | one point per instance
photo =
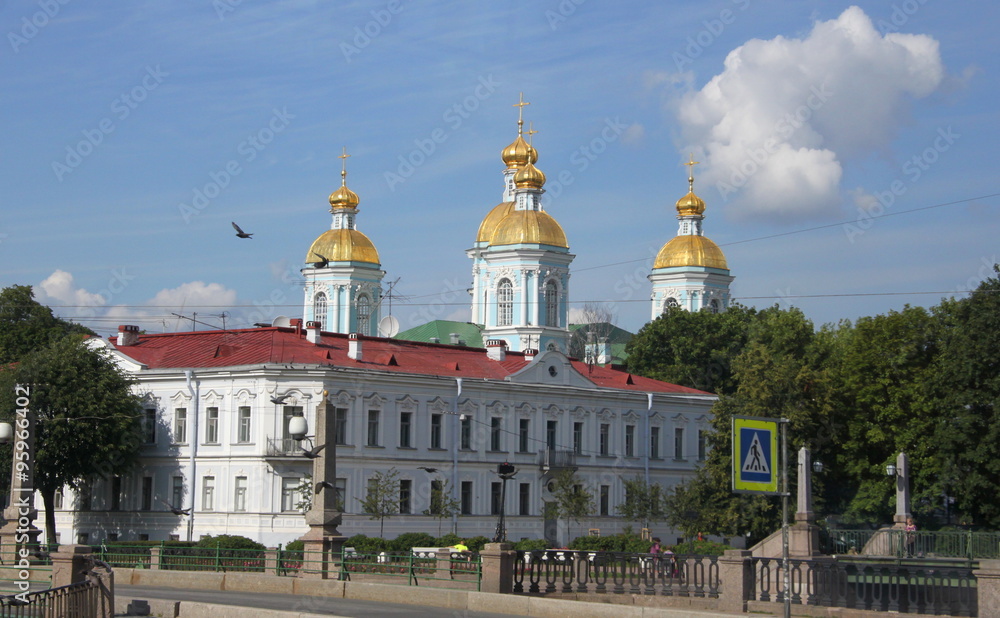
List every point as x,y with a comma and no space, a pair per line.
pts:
117,115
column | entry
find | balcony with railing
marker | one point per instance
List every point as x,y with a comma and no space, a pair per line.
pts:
556,459
283,447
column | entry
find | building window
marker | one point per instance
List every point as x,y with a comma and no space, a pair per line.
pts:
551,304
373,416
714,306
83,538
466,433
524,499
340,486
149,426
578,438
364,314
243,434
630,440
208,493
466,496
289,494
496,444
605,501
702,444
57,499
603,440
405,493
319,308
211,426
116,493
177,492
112,536
240,494
340,425
405,422
671,302
437,497
435,431
505,303
679,443
495,495
550,434
523,434
147,493
180,426
654,442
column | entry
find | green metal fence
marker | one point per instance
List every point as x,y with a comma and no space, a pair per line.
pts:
920,544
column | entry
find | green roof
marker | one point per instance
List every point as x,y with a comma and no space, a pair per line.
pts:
618,338
469,334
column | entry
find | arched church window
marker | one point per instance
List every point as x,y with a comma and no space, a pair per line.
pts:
505,303
319,308
552,347
671,302
714,306
551,304
364,313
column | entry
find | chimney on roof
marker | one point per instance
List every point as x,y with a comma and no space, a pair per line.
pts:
496,349
128,334
454,338
530,354
435,340
354,346
297,325
312,332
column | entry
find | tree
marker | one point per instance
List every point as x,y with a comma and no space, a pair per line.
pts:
644,503
571,500
87,417
382,499
26,325
443,505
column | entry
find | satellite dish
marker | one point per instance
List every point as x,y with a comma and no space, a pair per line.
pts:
282,321
388,326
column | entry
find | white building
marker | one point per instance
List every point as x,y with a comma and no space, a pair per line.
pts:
217,457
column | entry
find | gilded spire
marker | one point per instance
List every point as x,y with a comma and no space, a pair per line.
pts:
519,153
690,204
529,176
343,197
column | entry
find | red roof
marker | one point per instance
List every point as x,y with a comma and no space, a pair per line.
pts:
288,346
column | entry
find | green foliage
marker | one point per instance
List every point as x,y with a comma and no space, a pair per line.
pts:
700,548
382,499
531,545
229,541
644,503
297,545
571,501
477,543
447,540
27,326
631,543
409,540
442,504
367,544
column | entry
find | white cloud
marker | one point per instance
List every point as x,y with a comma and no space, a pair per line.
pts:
776,126
59,288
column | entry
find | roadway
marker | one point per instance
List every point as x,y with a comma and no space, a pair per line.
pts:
317,605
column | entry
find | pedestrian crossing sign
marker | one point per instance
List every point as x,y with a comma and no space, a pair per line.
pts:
755,462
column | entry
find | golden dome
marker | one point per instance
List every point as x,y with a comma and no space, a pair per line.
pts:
519,154
529,176
691,251
491,221
529,227
343,198
343,245
689,205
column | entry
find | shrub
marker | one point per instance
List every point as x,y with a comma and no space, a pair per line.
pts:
296,545
476,543
531,545
701,548
409,540
447,540
229,541
367,544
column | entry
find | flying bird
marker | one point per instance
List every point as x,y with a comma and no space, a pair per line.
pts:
280,400
428,470
175,510
323,484
313,453
240,233
323,262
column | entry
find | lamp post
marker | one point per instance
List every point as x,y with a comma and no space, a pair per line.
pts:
505,471
901,472
323,517
20,514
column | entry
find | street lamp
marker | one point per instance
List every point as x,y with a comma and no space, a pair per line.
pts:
890,469
817,466
505,471
21,501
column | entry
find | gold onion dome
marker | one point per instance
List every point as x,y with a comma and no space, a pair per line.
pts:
492,219
519,154
691,251
529,177
343,198
690,205
534,227
343,245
